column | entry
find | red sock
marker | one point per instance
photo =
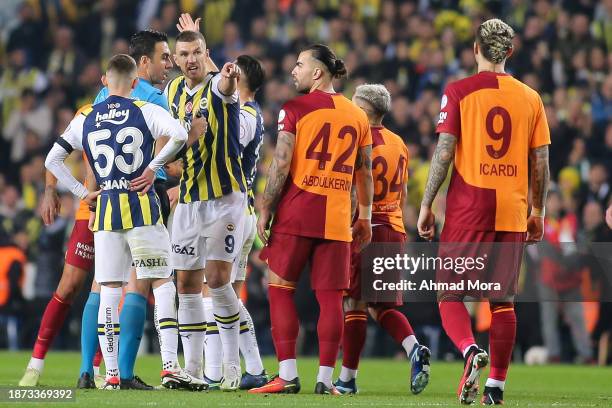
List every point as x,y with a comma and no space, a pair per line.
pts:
284,320
501,339
457,324
329,328
97,357
355,326
52,321
395,323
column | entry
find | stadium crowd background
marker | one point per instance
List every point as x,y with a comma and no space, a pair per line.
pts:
52,55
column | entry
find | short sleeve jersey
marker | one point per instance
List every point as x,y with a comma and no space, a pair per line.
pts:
390,173
117,137
497,120
329,129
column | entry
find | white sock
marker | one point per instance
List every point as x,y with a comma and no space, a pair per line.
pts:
465,350
227,316
408,344
325,375
495,383
213,351
37,364
96,370
166,324
347,374
248,342
192,328
108,328
287,369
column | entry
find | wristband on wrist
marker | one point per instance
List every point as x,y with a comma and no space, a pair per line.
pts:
365,212
538,212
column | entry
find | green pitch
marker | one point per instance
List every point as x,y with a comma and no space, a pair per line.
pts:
383,383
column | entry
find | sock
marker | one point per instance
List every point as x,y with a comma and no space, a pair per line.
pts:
192,327
284,327
166,324
227,316
325,375
131,320
248,342
37,364
396,324
355,326
97,360
457,324
89,332
52,321
467,349
213,351
330,326
501,339
287,369
347,374
495,383
108,328
408,344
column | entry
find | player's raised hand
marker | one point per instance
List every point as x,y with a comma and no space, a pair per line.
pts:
609,216
143,182
50,206
426,224
535,228
230,70
263,225
362,233
186,23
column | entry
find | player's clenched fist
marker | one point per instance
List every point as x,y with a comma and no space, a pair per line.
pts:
230,70
263,224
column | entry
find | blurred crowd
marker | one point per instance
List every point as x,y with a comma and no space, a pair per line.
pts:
53,54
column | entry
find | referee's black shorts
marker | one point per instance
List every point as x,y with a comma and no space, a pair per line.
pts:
164,202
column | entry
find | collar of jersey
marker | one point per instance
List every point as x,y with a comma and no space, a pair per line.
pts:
199,86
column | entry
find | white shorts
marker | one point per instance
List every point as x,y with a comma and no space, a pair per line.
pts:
240,264
207,230
148,248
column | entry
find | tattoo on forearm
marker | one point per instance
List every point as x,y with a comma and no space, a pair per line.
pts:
540,175
440,162
364,158
279,170
363,174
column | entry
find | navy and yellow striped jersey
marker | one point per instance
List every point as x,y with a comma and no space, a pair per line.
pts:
212,166
251,139
118,137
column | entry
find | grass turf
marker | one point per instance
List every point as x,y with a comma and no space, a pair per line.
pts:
382,383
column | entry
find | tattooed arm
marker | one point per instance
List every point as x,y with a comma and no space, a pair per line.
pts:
277,175
540,177
362,229
440,162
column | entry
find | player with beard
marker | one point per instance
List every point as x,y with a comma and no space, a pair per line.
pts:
324,143
209,217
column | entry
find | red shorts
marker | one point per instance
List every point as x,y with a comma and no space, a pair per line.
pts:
287,255
380,233
496,277
80,250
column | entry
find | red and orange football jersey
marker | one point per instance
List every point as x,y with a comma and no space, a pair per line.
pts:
497,120
390,173
316,199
